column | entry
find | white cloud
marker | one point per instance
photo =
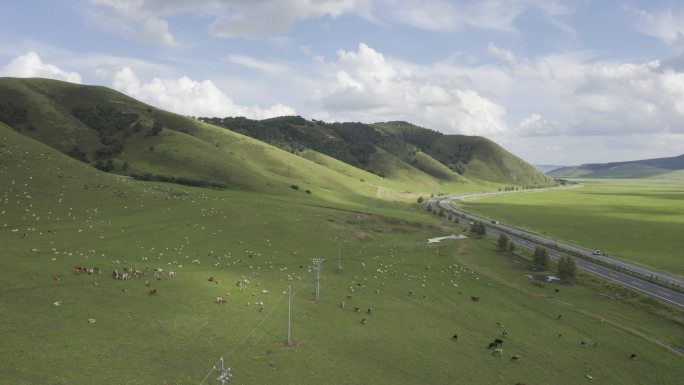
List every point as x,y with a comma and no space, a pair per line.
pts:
498,15
31,66
156,30
536,125
257,64
234,18
666,25
501,53
190,97
364,85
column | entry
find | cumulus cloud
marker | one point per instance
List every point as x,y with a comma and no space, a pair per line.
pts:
364,85
31,66
190,97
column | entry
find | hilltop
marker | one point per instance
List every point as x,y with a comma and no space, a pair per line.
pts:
635,169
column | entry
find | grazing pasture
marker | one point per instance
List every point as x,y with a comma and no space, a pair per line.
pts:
638,220
57,214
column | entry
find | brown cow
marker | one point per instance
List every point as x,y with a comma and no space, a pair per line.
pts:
153,292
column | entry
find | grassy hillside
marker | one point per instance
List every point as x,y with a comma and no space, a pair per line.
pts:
118,134
57,213
648,168
444,158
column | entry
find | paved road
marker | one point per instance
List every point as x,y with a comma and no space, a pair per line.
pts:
656,291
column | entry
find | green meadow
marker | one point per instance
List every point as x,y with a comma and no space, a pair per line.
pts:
638,220
58,213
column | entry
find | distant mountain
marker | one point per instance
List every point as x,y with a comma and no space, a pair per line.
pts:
636,169
115,133
545,168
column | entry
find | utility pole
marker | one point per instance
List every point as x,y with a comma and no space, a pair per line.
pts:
317,266
289,316
339,257
225,373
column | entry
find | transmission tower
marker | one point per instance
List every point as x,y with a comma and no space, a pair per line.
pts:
318,262
224,375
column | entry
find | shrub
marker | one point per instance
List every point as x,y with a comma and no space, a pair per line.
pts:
294,187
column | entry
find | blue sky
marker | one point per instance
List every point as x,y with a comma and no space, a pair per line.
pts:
553,81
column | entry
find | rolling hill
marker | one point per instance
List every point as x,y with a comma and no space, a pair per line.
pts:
288,155
636,169
391,149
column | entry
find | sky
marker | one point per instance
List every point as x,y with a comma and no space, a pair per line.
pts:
553,81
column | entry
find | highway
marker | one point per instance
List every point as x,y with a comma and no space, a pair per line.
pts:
529,241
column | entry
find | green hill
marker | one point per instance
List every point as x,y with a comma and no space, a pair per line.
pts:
443,157
115,133
670,167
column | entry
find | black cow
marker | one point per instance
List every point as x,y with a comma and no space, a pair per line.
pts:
498,342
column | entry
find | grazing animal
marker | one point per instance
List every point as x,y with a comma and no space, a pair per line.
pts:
498,342
560,316
148,283
560,335
583,344
221,300
172,273
363,321
425,297
342,304
499,324
211,279
411,293
58,303
516,358
153,292
557,291
91,321
633,356
475,299
588,376
357,309
370,310
454,338
349,297
492,345
504,333
497,352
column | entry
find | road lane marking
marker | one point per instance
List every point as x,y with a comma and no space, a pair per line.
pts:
662,292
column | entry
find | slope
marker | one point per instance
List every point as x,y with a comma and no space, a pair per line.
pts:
118,134
445,158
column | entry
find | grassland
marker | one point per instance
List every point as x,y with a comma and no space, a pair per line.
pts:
57,213
639,220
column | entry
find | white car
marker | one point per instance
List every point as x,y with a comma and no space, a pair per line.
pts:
596,252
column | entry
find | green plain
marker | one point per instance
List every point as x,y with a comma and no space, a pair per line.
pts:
638,220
